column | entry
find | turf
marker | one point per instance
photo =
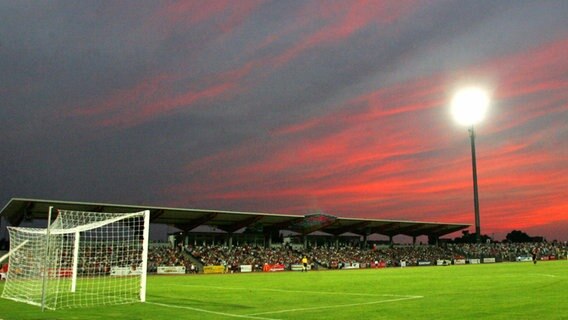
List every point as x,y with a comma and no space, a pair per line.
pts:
489,291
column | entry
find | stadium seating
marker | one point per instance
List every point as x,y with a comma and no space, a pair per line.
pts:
329,257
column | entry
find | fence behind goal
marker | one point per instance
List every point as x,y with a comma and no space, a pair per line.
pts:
82,259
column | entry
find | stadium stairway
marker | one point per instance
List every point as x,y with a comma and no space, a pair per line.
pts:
313,262
196,262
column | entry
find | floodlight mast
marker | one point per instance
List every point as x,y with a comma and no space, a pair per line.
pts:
468,107
475,190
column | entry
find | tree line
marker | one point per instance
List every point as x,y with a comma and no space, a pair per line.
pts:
515,236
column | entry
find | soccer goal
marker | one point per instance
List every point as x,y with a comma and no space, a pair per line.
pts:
82,259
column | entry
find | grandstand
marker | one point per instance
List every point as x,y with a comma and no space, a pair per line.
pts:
245,241
380,285
234,222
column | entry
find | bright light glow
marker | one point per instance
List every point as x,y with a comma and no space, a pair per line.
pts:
469,106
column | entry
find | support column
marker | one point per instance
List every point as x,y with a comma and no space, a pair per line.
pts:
433,240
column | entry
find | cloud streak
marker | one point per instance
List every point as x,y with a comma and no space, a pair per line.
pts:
367,157
289,107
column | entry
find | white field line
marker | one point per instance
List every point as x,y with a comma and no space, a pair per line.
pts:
335,306
544,275
529,274
208,311
396,297
304,291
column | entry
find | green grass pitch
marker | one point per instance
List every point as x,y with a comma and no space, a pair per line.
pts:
489,291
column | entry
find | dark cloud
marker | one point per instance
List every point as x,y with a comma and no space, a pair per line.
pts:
287,106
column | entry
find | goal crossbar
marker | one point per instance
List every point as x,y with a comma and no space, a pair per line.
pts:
81,228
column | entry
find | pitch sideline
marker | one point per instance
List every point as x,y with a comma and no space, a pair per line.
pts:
336,306
254,315
305,291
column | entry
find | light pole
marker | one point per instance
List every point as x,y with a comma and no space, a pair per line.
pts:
475,192
469,106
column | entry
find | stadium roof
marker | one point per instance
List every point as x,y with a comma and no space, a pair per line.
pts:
18,210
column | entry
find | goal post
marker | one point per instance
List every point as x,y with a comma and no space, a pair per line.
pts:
82,259
144,264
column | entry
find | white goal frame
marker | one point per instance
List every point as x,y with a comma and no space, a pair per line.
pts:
46,265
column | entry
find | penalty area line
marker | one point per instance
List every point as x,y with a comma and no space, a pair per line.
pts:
337,306
249,316
303,291
544,275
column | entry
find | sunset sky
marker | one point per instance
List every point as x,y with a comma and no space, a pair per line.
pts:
289,107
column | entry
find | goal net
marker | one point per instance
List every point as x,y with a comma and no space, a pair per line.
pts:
82,259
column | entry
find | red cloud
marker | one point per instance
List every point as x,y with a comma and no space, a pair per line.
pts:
342,19
388,153
155,97
225,14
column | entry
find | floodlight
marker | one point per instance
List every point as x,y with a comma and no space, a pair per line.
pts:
469,105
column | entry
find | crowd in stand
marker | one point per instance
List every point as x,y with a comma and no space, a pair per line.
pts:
509,251
236,256
96,258
331,257
166,256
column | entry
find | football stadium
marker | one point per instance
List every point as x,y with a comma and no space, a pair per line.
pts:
98,261
279,160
